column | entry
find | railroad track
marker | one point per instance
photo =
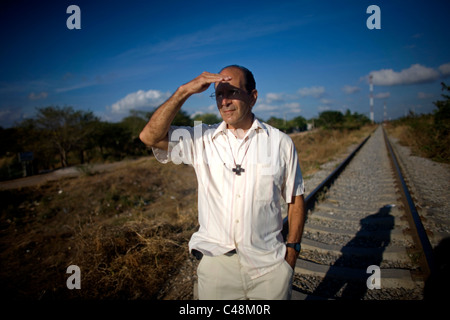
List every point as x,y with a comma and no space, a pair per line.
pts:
363,238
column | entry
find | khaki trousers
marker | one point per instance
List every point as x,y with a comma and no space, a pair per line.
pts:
222,278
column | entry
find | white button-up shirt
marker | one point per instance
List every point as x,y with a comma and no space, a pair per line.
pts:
241,212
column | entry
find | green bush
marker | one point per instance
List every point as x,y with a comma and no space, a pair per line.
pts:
431,132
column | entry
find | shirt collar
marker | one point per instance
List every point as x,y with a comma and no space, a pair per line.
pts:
256,126
220,129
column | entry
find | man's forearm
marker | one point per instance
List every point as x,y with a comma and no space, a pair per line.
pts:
296,219
158,126
155,132
296,222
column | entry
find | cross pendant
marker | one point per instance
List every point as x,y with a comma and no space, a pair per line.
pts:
238,170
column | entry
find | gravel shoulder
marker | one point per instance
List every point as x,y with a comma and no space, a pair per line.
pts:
69,172
429,184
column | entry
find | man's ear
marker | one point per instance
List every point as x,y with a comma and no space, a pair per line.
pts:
253,97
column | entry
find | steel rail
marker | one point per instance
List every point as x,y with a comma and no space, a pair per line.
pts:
418,231
311,199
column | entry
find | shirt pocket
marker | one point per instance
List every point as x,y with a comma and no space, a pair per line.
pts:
265,186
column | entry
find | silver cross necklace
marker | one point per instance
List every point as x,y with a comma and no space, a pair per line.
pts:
237,167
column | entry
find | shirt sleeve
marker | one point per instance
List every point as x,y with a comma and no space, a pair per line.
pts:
293,184
180,149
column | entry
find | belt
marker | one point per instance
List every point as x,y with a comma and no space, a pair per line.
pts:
198,255
230,253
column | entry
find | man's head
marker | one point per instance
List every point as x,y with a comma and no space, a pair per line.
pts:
250,83
235,98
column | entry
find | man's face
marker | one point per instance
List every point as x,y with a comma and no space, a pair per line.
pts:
234,102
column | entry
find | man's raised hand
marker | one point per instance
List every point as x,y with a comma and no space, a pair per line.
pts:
203,81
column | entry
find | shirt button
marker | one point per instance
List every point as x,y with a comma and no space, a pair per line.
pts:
237,221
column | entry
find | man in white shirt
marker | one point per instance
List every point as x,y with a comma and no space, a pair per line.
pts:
243,168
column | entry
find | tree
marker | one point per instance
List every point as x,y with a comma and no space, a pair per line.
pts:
278,123
354,120
442,114
134,124
66,129
182,118
207,118
298,123
112,139
441,136
9,141
330,119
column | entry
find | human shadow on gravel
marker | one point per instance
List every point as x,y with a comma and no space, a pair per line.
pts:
437,284
347,278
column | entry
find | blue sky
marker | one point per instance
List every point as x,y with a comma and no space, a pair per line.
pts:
307,56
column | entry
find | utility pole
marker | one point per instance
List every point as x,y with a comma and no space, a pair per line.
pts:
371,98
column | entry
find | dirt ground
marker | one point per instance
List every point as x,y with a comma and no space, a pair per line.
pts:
127,229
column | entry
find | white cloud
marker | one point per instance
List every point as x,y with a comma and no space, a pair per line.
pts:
218,34
262,107
291,107
382,95
213,108
196,113
350,89
139,99
11,115
77,86
326,101
414,74
445,69
277,105
209,109
270,97
423,95
323,108
278,97
315,92
4,113
38,96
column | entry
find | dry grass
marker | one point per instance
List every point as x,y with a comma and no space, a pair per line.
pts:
126,229
321,146
405,136
421,136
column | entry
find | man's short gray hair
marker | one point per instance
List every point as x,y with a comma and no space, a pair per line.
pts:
250,83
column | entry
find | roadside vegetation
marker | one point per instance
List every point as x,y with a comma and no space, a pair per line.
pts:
59,137
427,135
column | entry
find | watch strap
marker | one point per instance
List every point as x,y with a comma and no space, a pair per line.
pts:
296,246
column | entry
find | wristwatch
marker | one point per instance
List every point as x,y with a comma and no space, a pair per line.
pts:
296,246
